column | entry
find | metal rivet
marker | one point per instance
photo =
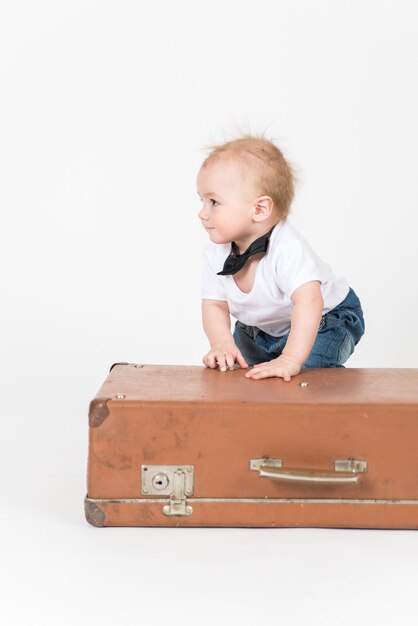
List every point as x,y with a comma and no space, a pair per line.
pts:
303,384
139,366
119,396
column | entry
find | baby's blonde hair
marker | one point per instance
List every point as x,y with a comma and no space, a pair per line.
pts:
272,174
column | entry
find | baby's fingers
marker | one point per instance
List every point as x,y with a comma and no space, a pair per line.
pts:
210,360
230,361
257,368
264,373
220,360
241,361
269,372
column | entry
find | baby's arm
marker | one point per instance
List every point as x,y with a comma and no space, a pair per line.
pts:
307,310
217,325
306,315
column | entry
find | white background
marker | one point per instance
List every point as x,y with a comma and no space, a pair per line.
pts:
104,110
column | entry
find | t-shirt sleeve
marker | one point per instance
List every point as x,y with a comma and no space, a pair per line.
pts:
212,285
296,265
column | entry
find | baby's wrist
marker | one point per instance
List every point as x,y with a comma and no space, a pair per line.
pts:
220,340
290,358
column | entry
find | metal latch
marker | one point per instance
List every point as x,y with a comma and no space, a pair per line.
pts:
175,481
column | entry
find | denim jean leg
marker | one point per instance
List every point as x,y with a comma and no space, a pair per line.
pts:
340,331
326,349
244,339
350,313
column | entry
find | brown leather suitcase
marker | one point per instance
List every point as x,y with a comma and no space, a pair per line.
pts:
192,446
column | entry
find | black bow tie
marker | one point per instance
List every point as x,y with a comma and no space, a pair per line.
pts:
235,261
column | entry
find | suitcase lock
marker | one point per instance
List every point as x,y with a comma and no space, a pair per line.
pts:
175,481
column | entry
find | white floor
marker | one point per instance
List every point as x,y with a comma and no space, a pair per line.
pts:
57,569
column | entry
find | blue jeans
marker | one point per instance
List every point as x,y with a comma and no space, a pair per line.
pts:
339,332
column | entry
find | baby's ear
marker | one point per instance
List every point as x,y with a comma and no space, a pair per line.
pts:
264,207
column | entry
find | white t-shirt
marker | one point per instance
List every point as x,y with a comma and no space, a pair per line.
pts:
288,263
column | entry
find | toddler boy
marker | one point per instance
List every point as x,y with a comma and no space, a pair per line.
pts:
292,311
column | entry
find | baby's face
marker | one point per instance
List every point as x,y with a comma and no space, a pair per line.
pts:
228,201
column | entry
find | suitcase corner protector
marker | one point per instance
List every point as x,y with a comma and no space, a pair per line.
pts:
118,363
94,514
98,411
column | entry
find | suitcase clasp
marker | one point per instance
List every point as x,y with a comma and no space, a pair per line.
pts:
173,480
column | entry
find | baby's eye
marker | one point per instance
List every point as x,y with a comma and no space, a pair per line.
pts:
212,200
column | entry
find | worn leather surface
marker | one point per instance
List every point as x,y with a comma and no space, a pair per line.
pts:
156,383
218,421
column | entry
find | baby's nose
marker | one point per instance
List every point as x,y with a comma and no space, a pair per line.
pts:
202,214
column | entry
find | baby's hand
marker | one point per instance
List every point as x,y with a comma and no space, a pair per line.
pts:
283,367
224,355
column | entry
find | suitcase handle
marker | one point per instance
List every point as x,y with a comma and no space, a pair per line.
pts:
308,475
345,471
